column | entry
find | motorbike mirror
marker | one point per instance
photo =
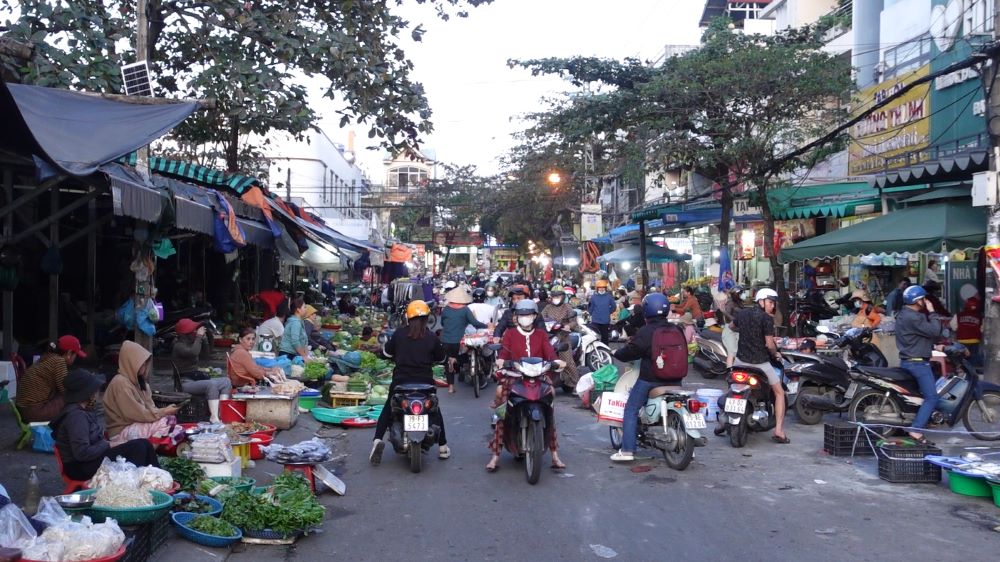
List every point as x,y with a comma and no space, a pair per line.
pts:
562,347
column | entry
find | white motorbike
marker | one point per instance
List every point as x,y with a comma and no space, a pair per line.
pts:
588,349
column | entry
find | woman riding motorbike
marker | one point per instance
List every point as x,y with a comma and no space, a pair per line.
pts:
559,311
520,342
415,350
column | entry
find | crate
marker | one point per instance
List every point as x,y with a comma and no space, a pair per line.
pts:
338,399
899,464
146,539
839,440
194,411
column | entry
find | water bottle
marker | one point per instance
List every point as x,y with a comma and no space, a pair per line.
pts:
31,499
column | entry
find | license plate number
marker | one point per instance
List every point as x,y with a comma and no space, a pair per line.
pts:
415,423
793,387
694,421
736,405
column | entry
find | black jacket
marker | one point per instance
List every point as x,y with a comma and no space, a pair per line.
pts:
640,346
414,359
78,435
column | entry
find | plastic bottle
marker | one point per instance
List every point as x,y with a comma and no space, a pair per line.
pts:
31,499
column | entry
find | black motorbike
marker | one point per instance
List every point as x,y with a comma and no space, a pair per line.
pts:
893,398
748,405
818,384
412,430
807,312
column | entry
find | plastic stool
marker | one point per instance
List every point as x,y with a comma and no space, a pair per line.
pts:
25,437
306,470
71,485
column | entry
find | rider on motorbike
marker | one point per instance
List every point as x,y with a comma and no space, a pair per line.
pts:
518,343
655,308
493,297
917,329
559,311
518,293
415,350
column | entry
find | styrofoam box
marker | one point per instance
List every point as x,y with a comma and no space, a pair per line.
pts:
233,469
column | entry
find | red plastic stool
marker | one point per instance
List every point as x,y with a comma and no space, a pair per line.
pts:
306,470
71,485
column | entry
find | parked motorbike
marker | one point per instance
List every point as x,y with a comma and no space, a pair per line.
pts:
748,405
411,432
589,350
711,357
528,411
163,340
807,311
669,423
818,384
894,398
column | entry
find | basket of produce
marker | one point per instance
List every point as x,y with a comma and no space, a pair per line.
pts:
206,530
128,508
251,427
199,505
185,472
285,509
239,483
118,554
359,422
315,370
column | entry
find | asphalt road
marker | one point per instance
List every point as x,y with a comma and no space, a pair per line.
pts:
764,502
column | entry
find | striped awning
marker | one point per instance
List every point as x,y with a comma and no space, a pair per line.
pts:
202,175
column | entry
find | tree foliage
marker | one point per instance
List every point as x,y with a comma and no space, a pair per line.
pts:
251,56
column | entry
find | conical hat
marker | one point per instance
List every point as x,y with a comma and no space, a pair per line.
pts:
458,295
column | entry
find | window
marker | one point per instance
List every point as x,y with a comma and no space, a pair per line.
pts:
907,57
405,177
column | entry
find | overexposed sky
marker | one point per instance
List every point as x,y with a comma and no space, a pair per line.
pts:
476,98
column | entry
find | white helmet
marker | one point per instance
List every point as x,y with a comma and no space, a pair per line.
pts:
450,285
765,294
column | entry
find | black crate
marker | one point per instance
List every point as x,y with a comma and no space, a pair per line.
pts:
897,464
145,539
839,440
194,411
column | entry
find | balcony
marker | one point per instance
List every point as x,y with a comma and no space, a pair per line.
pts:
839,19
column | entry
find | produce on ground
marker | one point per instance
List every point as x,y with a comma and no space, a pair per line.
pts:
287,507
247,427
191,504
315,371
288,388
118,495
185,472
212,526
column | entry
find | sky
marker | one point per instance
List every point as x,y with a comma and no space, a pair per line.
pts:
477,100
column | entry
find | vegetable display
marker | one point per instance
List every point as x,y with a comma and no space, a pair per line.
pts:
315,371
117,495
191,504
186,472
287,507
212,526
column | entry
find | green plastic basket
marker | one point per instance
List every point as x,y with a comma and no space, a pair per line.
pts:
241,483
162,503
965,485
308,402
995,488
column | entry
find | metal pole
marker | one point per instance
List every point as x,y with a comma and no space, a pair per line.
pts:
991,321
141,54
8,296
54,279
643,271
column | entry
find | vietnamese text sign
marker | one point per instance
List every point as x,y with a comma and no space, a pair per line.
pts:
885,138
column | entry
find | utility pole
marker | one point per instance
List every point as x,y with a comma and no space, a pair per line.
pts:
991,320
144,290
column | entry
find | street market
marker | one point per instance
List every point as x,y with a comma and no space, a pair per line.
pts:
721,280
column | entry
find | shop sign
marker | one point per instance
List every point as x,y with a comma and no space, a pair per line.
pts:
591,225
961,282
743,208
786,233
952,78
893,136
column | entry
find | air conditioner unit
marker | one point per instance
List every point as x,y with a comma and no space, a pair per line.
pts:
880,67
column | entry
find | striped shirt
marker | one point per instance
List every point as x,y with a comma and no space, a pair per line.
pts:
42,381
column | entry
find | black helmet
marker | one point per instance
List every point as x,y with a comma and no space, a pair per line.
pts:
543,295
479,294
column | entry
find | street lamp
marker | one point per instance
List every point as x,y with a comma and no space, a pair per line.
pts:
554,178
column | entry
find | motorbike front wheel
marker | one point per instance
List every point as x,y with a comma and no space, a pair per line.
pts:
982,417
680,457
533,456
616,437
738,433
598,358
474,373
886,406
808,416
416,453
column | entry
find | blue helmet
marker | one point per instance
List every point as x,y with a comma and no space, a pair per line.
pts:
654,305
913,293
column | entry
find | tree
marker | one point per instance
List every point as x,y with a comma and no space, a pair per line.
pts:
249,56
708,111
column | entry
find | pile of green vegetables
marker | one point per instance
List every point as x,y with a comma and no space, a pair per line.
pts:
191,504
212,526
315,370
286,507
186,472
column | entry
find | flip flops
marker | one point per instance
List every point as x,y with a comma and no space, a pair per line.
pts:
782,440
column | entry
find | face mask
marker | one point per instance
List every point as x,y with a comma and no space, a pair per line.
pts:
526,321
857,305
601,291
557,300
490,293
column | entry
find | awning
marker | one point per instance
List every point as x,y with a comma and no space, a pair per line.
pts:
630,253
652,212
78,132
322,234
196,173
942,193
132,196
935,228
949,168
842,199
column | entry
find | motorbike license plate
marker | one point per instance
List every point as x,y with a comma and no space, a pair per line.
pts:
415,423
793,387
736,405
694,421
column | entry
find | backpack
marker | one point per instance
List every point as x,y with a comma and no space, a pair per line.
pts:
669,353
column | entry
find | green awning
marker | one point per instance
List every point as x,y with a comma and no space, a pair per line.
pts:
842,199
201,175
941,227
942,193
653,211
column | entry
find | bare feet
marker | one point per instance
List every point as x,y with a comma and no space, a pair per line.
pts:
557,462
451,389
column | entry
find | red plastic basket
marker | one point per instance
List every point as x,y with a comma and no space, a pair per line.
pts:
258,440
116,556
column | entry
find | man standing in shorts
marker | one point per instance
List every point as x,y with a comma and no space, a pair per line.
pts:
756,348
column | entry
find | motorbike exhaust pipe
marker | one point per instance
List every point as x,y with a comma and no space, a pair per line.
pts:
822,403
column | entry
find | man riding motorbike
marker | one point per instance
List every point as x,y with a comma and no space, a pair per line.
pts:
559,311
600,306
520,342
493,298
415,350
518,293
918,326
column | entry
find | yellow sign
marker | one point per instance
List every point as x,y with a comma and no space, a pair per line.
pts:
893,136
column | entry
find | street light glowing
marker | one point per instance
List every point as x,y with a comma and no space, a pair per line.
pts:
626,265
555,178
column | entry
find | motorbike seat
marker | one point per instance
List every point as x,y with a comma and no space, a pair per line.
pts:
892,374
658,391
836,362
415,387
574,340
711,335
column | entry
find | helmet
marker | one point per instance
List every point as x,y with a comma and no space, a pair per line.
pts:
527,306
655,304
479,295
913,293
601,284
417,308
570,291
543,295
450,285
491,284
557,291
518,290
765,294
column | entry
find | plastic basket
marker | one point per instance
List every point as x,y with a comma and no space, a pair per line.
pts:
965,484
162,503
113,558
995,489
240,483
901,464
258,440
216,504
839,440
268,534
182,519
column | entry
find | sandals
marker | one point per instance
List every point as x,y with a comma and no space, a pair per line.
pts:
559,466
922,440
782,440
492,468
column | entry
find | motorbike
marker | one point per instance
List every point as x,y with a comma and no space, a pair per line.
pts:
818,384
163,340
479,365
711,357
411,431
588,349
528,411
893,398
807,311
748,405
669,422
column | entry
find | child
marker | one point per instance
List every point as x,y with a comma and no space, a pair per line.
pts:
970,329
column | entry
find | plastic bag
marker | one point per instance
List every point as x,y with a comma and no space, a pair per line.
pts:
15,529
50,512
311,451
71,541
115,471
605,377
585,383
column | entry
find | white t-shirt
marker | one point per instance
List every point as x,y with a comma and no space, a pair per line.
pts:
482,311
271,327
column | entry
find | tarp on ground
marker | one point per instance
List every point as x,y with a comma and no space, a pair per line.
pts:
942,227
78,132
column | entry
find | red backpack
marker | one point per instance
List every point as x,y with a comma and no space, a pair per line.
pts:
669,353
